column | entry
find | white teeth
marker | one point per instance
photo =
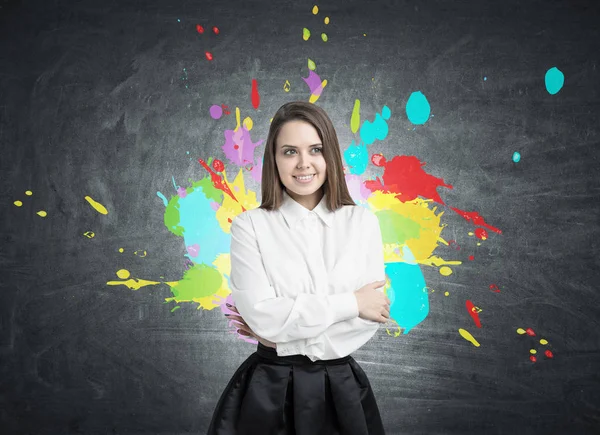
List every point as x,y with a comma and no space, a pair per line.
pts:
305,178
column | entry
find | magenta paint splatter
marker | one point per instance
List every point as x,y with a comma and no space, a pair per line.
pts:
216,111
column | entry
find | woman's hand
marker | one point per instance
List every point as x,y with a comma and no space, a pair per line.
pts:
244,329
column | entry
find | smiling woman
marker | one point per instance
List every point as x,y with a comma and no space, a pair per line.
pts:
297,266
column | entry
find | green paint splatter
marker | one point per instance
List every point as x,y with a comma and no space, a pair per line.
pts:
355,119
305,34
324,37
198,282
311,65
175,308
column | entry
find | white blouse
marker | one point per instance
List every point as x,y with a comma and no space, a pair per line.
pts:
294,272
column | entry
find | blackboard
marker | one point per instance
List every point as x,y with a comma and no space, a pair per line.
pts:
483,112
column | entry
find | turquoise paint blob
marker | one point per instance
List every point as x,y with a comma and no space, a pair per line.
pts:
555,80
377,129
417,108
357,158
516,157
386,113
407,292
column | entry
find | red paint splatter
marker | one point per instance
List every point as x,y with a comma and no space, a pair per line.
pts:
481,234
255,96
199,29
494,288
209,55
473,313
533,358
218,182
549,353
530,332
471,257
218,165
225,111
405,176
216,30
476,218
378,160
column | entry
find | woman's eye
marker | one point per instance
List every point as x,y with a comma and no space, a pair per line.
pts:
320,150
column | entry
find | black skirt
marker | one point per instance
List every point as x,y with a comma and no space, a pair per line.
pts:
291,395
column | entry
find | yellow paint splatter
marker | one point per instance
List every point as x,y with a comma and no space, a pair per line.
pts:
324,37
121,250
543,341
312,65
314,97
97,206
286,86
355,118
445,270
364,34
123,273
248,123
18,203
305,34
141,253
315,10
447,294
42,213
89,234
28,192
521,331
326,20
532,351
467,336
476,310
237,119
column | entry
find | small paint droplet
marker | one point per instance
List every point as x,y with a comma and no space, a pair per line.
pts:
123,273
530,332
520,331
533,358
324,37
326,20
516,157
447,294
543,341
355,118
255,96
215,111
199,29
554,80
494,288
96,205
208,55
305,34
532,351
471,257
89,234
549,353
311,65
248,123
418,108
121,250
364,34
28,192
485,79
445,270
176,308
315,10
178,20
467,336
18,203
286,86
215,30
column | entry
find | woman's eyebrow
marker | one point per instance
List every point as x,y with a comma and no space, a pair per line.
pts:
293,146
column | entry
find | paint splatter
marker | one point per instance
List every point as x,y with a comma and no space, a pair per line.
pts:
481,233
378,129
216,111
315,10
311,65
326,20
199,29
324,37
96,205
494,288
355,119
316,86
215,30
255,95
445,270
286,86
554,80
473,312
417,108
467,336
305,34
476,218
516,157
208,55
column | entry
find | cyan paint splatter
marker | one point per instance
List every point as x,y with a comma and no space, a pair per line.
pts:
408,289
357,158
417,108
163,197
516,157
554,80
377,129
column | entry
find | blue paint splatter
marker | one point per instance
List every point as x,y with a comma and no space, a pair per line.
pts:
485,79
516,157
357,158
163,197
555,80
417,108
408,289
377,129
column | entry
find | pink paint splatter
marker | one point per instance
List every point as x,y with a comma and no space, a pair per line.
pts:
215,111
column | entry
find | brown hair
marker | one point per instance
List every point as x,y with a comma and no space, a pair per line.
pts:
335,186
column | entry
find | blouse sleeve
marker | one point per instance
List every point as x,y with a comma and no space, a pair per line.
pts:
276,318
345,337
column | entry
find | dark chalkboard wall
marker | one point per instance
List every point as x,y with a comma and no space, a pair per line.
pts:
111,100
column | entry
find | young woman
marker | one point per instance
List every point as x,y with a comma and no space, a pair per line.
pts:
307,277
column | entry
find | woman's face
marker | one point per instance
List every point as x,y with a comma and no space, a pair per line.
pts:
299,151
